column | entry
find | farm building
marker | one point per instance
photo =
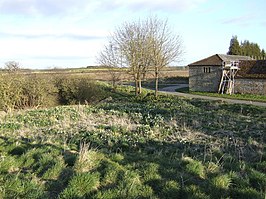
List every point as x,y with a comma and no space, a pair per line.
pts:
251,77
217,73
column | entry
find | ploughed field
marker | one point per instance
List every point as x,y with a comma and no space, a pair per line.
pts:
128,147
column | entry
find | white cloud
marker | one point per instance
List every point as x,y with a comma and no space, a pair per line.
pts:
239,20
64,7
151,5
71,35
40,7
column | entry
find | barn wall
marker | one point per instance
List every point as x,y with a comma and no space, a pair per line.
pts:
250,86
204,82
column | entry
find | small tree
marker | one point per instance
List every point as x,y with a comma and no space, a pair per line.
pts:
111,57
165,47
131,39
143,45
12,66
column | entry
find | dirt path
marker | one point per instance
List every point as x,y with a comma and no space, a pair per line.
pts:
171,90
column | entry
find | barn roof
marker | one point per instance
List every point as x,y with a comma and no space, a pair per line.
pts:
218,60
254,69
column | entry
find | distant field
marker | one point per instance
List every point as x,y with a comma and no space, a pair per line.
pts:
103,74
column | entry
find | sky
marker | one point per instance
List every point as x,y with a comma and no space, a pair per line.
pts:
42,34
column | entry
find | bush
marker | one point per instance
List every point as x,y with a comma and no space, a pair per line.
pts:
79,91
38,92
18,92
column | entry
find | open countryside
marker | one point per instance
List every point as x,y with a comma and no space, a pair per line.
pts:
116,145
89,115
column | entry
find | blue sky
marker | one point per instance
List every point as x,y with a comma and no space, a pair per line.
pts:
71,33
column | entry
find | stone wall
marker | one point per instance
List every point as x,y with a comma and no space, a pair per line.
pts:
204,78
250,86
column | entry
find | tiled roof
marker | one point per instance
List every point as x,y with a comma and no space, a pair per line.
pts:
255,69
213,60
218,60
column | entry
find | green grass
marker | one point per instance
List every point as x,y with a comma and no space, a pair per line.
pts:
134,148
249,97
260,98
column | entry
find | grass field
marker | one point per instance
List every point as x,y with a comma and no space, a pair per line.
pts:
127,147
103,73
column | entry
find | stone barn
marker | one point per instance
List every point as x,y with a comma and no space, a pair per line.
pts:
206,75
251,77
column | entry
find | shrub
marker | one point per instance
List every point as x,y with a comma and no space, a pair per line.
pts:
18,92
10,92
79,91
38,92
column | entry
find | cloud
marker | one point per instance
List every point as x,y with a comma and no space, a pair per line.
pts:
71,36
40,7
60,57
239,20
151,5
63,7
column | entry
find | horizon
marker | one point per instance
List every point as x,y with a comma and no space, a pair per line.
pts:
70,34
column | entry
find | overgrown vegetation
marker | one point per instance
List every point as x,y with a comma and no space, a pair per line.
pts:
19,91
127,147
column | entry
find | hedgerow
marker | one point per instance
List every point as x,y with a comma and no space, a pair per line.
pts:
18,91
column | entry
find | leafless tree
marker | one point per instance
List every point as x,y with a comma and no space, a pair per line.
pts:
111,57
132,41
144,45
165,47
12,66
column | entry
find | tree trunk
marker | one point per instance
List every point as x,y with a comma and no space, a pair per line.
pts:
156,82
136,87
139,81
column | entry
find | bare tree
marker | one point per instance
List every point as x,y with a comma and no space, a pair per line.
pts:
165,47
132,41
111,57
12,66
143,45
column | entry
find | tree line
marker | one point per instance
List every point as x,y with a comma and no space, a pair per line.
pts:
246,48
